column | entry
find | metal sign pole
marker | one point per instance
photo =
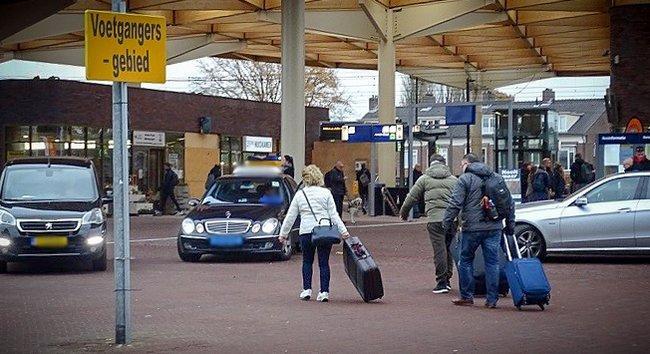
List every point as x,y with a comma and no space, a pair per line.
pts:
121,228
373,177
411,125
511,163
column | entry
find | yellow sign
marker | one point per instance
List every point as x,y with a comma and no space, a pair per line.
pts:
125,47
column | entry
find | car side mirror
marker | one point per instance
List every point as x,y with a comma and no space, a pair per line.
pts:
580,202
193,202
107,200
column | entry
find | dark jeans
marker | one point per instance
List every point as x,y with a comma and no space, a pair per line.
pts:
163,200
490,244
440,241
364,198
338,200
308,251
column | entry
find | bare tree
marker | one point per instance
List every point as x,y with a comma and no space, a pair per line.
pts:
428,91
259,81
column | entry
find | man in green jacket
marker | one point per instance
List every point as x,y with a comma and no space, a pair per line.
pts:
435,187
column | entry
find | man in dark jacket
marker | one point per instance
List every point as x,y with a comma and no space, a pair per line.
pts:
542,183
523,179
335,181
477,231
363,180
578,178
434,188
170,180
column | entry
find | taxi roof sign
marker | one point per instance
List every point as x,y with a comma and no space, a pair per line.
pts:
125,47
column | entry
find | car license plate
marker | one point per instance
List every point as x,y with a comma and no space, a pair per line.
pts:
226,241
50,241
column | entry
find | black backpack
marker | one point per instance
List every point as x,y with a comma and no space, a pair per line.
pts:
494,187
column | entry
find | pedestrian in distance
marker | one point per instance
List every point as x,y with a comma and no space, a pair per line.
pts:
523,179
418,208
313,198
541,182
214,173
435,188
640,161
363,180
170,181
482,211
335,182
529,184
558,183
580,173
627,164
287,166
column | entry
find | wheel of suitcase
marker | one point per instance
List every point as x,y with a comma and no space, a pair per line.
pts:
541,306
519,307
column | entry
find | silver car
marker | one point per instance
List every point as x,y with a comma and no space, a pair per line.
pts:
609,216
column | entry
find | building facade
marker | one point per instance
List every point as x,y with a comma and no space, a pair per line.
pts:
68,118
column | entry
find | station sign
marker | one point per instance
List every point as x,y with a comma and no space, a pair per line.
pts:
125,47
372,133
624,138
510,175
258,144
144,138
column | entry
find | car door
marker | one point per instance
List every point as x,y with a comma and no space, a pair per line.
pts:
642,217
607,221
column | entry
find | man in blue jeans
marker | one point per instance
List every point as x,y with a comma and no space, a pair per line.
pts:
477,231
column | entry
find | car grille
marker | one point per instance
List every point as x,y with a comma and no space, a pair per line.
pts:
69,225
229,226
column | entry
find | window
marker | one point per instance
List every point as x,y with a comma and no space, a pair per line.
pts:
444,151
613,191
567,156
247,191
562,124
484,155
55,182
488,125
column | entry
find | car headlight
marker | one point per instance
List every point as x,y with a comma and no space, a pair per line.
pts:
5,242
94,241
187,226
94,216
6,218
270,225
200,228
256,228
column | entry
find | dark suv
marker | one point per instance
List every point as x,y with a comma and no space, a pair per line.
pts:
51,208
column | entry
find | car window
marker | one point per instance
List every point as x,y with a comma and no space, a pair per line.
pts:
616,190
247,191
49,183
646,195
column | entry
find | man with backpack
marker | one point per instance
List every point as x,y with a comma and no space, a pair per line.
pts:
483,200
581,173
434,187
170,180
541,182
363,179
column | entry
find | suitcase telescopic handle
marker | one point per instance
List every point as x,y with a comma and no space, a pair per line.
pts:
507,244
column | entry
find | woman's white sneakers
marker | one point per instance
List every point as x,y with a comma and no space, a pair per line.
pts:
305,295
323,297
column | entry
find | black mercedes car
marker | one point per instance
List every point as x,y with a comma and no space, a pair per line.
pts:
50,208
240,213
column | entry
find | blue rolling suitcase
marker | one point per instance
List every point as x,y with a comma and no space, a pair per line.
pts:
527,280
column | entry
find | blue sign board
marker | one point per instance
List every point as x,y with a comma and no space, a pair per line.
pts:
460,115
624,138
372,133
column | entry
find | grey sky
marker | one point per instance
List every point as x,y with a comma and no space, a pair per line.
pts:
358,85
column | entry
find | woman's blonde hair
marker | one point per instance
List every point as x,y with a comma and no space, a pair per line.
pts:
312,176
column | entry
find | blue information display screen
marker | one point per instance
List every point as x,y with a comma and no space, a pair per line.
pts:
372,133
460,115
624,138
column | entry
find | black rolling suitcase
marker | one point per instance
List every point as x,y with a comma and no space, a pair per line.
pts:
362,270
479,269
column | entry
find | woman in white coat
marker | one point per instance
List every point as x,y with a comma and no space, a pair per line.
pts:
322,203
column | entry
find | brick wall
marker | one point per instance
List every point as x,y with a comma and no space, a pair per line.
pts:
60,102
630,28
